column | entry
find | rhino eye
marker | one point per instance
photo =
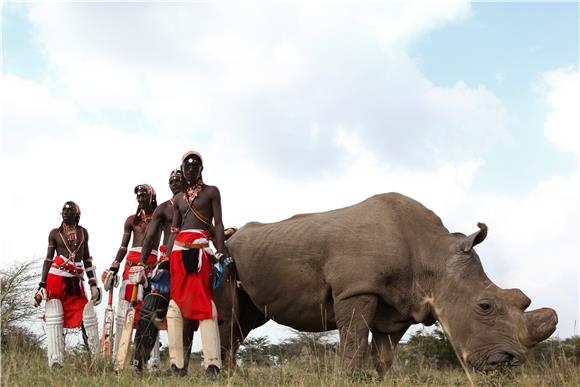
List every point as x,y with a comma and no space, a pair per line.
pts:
485,306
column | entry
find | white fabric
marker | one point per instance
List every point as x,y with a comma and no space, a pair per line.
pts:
120,315
91,327
197,241
138,250
175,334
63,273
54,316
210,340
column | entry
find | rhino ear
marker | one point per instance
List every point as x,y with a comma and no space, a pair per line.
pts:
476,238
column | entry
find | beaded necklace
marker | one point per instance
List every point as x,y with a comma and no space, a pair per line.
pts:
191,194
71,237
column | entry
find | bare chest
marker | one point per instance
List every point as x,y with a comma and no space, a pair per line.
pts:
71,244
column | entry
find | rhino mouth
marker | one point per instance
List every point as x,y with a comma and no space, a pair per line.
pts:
496,360
502,358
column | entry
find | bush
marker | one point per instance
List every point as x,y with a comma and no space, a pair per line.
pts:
17,284
429,349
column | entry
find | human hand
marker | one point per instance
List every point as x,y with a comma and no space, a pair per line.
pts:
110,280
115,266
137,275
216,275
39,295
96,295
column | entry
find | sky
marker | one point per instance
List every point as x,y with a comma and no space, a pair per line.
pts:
470,108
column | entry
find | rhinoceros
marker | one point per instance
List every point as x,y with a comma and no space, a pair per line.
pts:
381,266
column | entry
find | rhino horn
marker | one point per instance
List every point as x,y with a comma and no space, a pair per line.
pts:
474,239
517,298
541,323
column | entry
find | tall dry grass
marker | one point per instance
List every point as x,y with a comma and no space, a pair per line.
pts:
29,368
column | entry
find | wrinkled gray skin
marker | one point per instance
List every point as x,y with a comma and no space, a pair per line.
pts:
381,265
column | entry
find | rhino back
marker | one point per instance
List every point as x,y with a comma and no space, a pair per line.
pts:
296,266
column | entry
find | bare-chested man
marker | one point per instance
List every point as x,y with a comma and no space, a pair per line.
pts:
135,226
191,265
62,286
155,304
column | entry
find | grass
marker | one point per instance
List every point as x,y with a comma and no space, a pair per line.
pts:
29,368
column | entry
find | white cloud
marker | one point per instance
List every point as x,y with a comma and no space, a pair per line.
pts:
29,110
266,73
562,126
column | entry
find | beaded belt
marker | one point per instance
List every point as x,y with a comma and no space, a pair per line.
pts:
187,245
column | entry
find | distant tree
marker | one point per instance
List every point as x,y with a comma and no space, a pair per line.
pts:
17,284
256,351
556,352
305,347
432,349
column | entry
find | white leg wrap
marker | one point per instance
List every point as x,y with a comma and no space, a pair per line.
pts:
210,340
54,316
155,360
91,327
175,334
121,313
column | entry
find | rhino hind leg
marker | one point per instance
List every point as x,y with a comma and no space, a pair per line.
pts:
382,349
354,317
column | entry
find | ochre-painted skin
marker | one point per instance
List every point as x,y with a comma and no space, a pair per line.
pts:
380,266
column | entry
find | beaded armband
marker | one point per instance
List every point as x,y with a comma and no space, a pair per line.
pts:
174,229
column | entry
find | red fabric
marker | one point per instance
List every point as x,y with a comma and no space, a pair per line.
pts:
73,305
192,292
135,257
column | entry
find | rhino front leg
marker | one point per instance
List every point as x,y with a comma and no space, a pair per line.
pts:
353,319
237,324
383,345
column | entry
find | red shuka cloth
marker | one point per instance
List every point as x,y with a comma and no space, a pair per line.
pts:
192,292
73,305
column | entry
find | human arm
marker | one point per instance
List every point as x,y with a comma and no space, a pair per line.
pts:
127,229
40,292
49,257
175,226
151,233
218,223
88,261
90,270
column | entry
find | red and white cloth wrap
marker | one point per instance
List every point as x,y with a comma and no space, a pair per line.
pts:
163,254
65,283
133,258
192,291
